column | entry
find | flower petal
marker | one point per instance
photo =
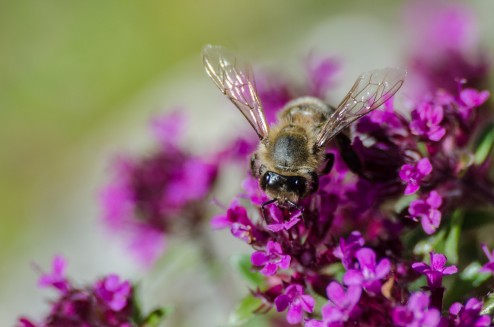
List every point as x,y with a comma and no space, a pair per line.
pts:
258,258
353,277
336,293
294,314
281,302
383,268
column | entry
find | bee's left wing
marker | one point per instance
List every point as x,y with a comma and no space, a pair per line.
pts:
236,81
369,92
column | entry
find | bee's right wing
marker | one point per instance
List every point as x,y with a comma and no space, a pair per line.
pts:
369,92
236,81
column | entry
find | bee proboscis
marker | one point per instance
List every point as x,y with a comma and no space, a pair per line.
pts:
290,156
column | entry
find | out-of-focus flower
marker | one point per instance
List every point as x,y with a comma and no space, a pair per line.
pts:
321,72
296,301
56,278
416,313
489,266
471,99
153,196
428,211
108,302
412,175
468,315
436,270
426,121
113,292
444,46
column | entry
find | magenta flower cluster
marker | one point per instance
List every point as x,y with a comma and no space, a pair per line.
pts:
352,241
162,193
107,302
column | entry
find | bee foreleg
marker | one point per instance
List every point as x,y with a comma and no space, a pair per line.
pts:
264,205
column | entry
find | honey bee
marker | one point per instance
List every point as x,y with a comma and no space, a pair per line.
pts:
290,156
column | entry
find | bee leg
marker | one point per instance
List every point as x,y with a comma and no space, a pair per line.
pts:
329,158
348,155
299,208
294,205
264,205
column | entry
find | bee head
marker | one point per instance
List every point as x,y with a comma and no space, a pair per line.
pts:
289,188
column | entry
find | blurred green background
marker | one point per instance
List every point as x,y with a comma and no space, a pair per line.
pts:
73,76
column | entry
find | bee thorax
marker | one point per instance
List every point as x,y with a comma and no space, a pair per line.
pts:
290,150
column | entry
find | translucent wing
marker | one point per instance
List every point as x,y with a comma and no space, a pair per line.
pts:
236,81
369,92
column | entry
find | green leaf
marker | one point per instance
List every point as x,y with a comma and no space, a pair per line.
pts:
423,149
245,311
488,308
156,317
485,144
242,264
435,242
404,202
336,270
472,274
451,242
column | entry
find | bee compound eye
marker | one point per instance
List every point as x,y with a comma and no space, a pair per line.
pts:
297,184
265,179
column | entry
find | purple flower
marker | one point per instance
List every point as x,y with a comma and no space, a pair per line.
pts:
473,98
150,196
321,73
445,46
296,301
234,213
341,306
426,121
488,267
436,270
347,248
57,277
239,222
412,175
253,191
274,93
239,149
468,315
115,293
146,243
369,274
280,224
168,129
24,322
272,259
470,99
427,211
416,312
109,302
